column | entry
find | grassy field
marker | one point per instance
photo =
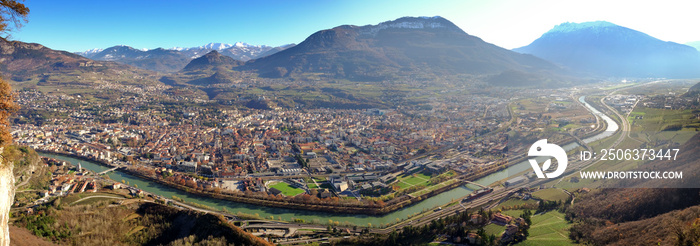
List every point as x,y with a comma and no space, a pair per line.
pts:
402,185
416,179
409,180
514,213
653,122
567,184
515,201
494,229
287,189
548,229
433,187
73,198
310,183
551,195
93,200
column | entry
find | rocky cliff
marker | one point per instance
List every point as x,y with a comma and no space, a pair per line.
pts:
7,196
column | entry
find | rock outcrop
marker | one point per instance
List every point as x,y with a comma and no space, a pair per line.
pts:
7,196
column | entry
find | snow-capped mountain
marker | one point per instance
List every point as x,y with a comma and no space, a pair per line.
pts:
194,52
89,52
174,59
240,51
216,46
160,60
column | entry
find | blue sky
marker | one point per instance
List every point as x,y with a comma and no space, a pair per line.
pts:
82,25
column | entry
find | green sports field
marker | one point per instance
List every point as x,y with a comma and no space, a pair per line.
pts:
287,189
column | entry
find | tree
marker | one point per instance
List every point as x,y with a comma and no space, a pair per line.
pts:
191,183
7,107
12,14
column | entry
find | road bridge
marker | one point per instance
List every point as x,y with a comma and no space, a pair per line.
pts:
477,184
108,170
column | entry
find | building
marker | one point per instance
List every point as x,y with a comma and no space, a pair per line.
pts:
289,171
340,185
388,178
65,187
311,155
515,181
471,238
187,166
436,168
511,229
501,219
476,219
509,233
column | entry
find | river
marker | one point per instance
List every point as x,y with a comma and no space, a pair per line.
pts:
612,126
324,217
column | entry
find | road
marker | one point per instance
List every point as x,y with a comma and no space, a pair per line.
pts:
308,240
625,124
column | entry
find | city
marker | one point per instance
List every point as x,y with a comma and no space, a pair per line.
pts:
349,123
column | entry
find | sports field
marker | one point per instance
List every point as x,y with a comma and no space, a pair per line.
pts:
287,189
409,180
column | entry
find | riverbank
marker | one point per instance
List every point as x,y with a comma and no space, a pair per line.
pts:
260,200
332,208
98,161
391,206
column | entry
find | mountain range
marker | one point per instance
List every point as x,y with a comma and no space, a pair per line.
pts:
604,49
406,46
22,62
175,59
